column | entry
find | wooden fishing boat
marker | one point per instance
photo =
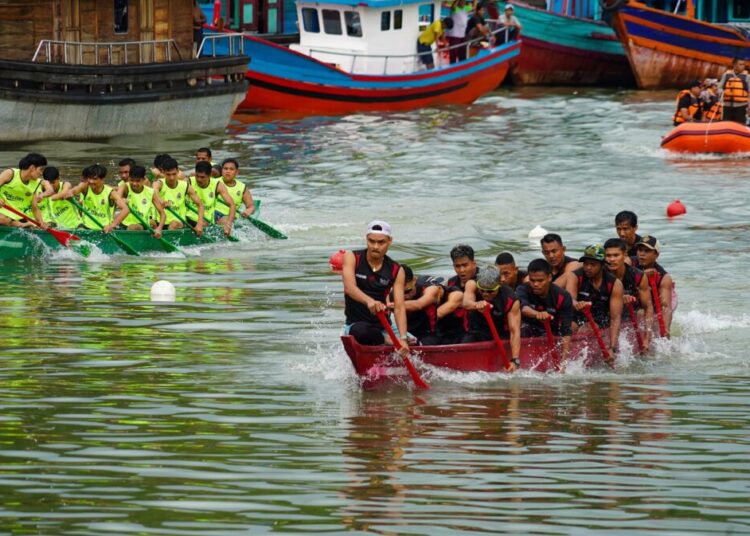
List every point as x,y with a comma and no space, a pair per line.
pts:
721,137
668,50
18,243
379,364
355,57
568,44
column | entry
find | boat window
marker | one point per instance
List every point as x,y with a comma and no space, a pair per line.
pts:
121,16
310,20
385,21
332,21
353,24
426,13
398,17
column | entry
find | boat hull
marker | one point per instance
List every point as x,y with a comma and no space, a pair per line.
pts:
668,51
570,51
377,365
721,137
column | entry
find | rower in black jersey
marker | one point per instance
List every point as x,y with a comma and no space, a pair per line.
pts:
422,296
505,311
453,321
634,285
509,273
626,225
598,289
541,301
369,275
562,265
649,249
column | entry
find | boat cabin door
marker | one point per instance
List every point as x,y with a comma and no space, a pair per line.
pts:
261,16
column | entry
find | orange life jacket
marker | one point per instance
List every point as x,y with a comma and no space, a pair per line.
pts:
714,112
735,89
692,109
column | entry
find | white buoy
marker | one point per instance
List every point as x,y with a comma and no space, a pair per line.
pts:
163,290
537,233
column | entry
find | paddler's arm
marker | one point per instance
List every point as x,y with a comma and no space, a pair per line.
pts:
224,193
644,293
6,176
430,296
665,296
247,198
400,311
453,302
159,206
352,290
47,191
70,192
470,302
514,325
35,200
198,203
115,198
615,314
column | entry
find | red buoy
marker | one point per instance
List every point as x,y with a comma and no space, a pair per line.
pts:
336,261
676,208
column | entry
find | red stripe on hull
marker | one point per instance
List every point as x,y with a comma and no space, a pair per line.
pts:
546,64
280,94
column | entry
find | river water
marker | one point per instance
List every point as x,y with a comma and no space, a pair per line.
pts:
235,410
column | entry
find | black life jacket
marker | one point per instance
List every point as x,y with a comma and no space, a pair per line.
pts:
377,285
599,297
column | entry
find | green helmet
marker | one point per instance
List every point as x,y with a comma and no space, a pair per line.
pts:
593,253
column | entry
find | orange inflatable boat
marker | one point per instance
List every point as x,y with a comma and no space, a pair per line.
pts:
718,137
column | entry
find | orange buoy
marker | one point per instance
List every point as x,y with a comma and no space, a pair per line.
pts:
676,208
336,261
719,137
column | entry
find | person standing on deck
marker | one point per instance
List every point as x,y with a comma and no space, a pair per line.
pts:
18,186
173,193
99,199
477,28
56,211
626,225
597,289
431,35
457,34
199,19
734,92
143,199
239,191
649,249
635,286
369,275
688,106
509,273
209,189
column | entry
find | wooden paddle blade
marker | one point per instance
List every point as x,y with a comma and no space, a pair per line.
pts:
62,236
270,231
415,377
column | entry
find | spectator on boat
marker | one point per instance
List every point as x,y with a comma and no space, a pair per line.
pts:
734,92
649,249
709,99
560,264
18,186
199,19
542,301
456,35
511,23
478,33
369,275
56,211
141,198
173,194
688,105
209,189
634,285
238,190
626,226
98,199
452,320
421,299
597,289
509,273
431,35
505,310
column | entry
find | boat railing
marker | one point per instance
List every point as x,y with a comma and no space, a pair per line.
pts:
235,45
400,63
112,53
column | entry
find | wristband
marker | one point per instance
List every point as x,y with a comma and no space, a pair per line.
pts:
516,361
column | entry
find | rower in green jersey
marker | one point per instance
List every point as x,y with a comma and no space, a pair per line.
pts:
141,198
123,170
209,189
18,186
99,199
58,212
174,192
239,192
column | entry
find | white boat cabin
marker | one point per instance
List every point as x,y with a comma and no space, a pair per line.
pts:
370,37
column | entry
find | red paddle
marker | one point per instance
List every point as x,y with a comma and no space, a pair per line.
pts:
634,320
416,378
657,304
597,334
496,336
551,339
60,236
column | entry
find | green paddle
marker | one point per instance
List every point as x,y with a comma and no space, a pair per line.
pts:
261,225
120,242
186,224
228,237
171,248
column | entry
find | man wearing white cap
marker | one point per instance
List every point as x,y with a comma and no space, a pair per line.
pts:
511,22
369,275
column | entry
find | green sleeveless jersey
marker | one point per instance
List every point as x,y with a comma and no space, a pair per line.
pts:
177,196
18,194
207,195
143,203
99,206
235,192
61,212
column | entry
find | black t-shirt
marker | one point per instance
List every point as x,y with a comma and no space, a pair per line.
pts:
376,285
457,322
501,306
423,322
599,297
472,32
558,303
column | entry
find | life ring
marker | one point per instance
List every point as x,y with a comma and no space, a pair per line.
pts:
612,5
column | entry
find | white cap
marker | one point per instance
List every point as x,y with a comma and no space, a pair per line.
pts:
379,227
509,6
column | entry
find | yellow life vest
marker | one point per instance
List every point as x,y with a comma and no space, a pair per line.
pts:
692,109
18,194
235,192
735,90
100,206
208,196
143,203
61,212
177,196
